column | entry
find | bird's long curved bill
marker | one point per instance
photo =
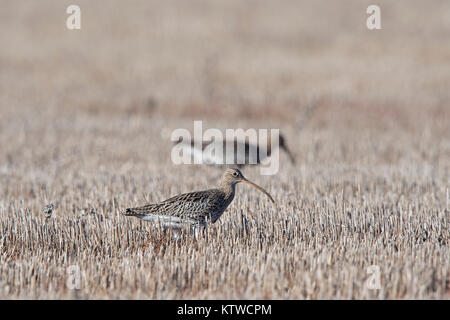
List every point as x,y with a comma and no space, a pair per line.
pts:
259,188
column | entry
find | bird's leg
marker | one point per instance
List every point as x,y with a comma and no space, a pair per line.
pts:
176,233
197,229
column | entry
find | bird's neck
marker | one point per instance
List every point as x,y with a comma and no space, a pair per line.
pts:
228,189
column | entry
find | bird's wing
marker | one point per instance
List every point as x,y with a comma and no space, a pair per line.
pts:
185,206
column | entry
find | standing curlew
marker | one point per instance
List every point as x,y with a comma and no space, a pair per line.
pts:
250,151
194,209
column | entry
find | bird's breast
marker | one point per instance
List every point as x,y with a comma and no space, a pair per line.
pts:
219,207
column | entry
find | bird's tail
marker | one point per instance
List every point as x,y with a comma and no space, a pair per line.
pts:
129,212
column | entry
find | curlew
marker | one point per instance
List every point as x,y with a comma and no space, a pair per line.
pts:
251,153
194,209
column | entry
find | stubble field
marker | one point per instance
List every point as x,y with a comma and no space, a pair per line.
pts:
84,124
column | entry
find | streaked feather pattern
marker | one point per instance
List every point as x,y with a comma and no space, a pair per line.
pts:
194,208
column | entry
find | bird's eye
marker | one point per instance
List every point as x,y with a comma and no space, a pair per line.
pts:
235,174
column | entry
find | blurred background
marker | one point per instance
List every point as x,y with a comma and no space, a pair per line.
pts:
138,67
85,118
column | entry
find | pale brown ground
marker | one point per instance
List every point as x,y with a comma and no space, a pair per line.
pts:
82,114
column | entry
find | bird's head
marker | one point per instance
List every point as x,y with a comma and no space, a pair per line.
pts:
233,176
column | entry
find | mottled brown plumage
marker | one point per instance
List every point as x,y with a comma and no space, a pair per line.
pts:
194,208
